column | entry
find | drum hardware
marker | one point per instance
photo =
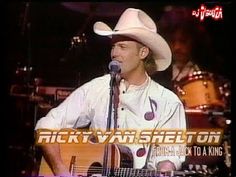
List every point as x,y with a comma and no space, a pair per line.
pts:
225,91
205,84
209,112
228,121
227,149
209,119
180,90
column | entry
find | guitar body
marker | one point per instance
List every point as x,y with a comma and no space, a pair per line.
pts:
87,159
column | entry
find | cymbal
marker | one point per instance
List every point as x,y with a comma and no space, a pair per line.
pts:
105,9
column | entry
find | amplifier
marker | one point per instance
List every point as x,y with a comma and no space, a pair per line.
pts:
58,93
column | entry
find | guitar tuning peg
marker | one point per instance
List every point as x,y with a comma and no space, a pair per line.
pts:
197,167
215,170
210,171
190,167
204,168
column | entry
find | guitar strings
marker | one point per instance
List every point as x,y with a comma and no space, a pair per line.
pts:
84,169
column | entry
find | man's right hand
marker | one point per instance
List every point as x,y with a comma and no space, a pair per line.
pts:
61,171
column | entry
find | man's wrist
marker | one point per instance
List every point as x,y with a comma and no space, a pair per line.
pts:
166,165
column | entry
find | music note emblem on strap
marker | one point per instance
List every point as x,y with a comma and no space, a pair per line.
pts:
150,114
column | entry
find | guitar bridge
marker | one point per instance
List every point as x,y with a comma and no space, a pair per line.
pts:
72,165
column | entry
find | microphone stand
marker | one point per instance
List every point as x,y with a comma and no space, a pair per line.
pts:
109,118
111,100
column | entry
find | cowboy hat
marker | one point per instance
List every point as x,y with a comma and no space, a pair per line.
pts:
137,25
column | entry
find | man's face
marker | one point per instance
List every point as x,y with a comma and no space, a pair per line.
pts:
181,46
127,52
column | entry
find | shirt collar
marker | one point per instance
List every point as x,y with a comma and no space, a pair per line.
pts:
188,65
135,87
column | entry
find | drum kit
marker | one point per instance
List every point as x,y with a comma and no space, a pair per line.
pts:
206,95
204,90
207,101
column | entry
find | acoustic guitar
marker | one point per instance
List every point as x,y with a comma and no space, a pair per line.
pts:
85,160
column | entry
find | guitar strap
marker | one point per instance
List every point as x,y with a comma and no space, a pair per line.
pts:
148,156
116,100
150,147
115,104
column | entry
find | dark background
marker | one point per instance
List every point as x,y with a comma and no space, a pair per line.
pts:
39,35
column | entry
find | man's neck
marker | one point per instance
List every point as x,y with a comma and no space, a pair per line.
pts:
137,78
181,65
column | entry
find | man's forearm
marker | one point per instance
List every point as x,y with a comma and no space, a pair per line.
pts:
52,155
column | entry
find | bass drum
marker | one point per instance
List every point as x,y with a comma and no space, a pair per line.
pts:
199,90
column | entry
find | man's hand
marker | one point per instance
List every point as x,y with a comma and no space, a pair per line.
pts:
61,170
165,166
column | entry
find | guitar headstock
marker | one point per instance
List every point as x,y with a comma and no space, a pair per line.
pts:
200,171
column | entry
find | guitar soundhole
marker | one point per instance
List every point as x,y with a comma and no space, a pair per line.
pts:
95,168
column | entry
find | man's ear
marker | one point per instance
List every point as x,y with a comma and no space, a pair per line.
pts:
143,52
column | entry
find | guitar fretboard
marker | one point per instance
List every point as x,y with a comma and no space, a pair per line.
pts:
132,172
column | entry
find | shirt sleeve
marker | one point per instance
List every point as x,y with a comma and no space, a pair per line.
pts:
72,111
174,118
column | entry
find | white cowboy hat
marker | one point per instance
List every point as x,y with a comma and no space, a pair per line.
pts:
137,25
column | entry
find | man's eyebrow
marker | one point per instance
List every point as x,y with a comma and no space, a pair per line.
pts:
119,43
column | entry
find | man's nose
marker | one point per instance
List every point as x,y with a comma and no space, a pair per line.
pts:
176,45
114,53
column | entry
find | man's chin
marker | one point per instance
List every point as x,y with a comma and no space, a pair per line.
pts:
180,58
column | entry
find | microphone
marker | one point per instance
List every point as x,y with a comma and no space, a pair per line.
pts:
114,67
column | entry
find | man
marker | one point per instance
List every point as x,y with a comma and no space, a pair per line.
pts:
192,51
181,45
143,103
184,36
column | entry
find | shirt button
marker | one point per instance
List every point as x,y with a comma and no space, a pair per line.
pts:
123,92
122,109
